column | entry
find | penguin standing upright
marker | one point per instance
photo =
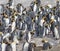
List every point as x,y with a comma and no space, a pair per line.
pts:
28,46
7,21
39,2
35,7
1,8
52,27
20,8
58,10
1,40
11,3
28,36
25,46
56,32
46,31
13,25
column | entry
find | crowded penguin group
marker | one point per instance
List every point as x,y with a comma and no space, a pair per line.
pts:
20,23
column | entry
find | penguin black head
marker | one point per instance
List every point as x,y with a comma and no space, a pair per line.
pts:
56,26
20,19
20,4
12,20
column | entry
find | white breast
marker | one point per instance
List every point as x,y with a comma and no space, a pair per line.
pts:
13,26
29,35
35,7
56,32
26,47
41,22
7,21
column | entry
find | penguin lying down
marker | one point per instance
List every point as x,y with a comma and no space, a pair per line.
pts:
46,46
32,46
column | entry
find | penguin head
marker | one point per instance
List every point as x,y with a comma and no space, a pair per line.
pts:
44,41
54,8
20,19
44,18
6,16
12,20
20,4
35,2
7,7
15,13
37,15
33,19
12,17
32,32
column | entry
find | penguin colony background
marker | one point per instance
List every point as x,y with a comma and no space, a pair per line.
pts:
26,3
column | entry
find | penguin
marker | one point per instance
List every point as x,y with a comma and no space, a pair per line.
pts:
46,44
32,46
3,45
1,8
39,2
25,46
1,40
52,26
42,28
28,46
11,4
2,27
57,5
20,8
7,21
42,21
20,24
35,7
56,32
13,25
28,36
46,31
37,18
